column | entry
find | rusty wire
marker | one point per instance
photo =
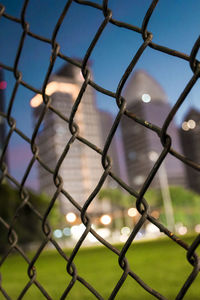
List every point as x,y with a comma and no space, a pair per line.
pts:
141,204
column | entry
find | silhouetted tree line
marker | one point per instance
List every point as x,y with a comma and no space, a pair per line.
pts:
27,226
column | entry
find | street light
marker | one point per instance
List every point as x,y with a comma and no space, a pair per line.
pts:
70,217
164,186
105,219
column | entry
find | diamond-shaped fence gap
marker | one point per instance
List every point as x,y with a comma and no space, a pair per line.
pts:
34,292
102,101
132,288
14,274
13,11
23,155
74,27
106,63
10,40
156,269
28,63
78,289
165,33
46,271
100,256
162,69
134,17
42,20
22,99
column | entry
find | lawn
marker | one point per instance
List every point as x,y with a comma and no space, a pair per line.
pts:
161,264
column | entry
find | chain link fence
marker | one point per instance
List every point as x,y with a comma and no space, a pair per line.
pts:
139,197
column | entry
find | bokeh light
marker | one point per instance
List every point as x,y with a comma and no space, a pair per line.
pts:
105,219
71,217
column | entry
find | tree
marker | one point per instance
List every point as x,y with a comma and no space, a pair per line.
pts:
186,205
27,226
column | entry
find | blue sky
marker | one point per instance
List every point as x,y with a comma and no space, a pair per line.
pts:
174,23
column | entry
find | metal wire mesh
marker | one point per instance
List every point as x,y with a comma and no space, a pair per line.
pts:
141,204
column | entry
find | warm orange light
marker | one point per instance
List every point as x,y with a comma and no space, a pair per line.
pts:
105,219
53,87
71,217
155,214
36,101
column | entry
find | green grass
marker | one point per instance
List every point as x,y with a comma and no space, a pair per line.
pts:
161,264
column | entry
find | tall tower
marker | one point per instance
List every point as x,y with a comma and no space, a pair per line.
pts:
116,151
81,168
191,144
147,100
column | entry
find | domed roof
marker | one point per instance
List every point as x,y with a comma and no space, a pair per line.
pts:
140,84
69,71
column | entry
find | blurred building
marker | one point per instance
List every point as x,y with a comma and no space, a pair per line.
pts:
147,100
116,150
190,140
81,168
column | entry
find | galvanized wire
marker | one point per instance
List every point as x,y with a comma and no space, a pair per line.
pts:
141,204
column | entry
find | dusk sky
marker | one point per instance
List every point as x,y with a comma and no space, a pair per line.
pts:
174,23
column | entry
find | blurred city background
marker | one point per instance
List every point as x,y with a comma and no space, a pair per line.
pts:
59,106
150,93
